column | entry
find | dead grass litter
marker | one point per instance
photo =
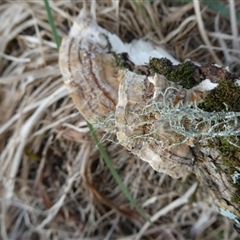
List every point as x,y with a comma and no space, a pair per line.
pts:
54,184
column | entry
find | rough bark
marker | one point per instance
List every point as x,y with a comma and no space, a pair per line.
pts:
215,143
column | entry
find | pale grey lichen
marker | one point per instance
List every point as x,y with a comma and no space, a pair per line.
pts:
235,177
230,215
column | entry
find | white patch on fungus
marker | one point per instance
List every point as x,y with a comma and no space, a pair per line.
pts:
206,85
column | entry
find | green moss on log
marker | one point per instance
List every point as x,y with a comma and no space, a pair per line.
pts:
225,97
230,162
182,74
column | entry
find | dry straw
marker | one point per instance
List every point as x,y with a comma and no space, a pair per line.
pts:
54,184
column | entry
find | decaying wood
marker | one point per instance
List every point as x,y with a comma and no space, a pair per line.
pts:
166,123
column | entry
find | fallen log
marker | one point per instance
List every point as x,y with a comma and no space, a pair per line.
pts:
180,118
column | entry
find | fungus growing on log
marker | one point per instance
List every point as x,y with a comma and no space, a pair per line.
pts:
180,118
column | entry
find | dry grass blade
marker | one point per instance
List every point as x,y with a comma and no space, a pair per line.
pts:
54,184
202,30
234,26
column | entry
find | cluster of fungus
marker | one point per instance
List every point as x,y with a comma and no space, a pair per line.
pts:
169,115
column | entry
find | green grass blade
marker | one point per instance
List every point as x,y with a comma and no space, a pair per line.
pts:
219,7
115,174
52,24
144,13
214,5
100,147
